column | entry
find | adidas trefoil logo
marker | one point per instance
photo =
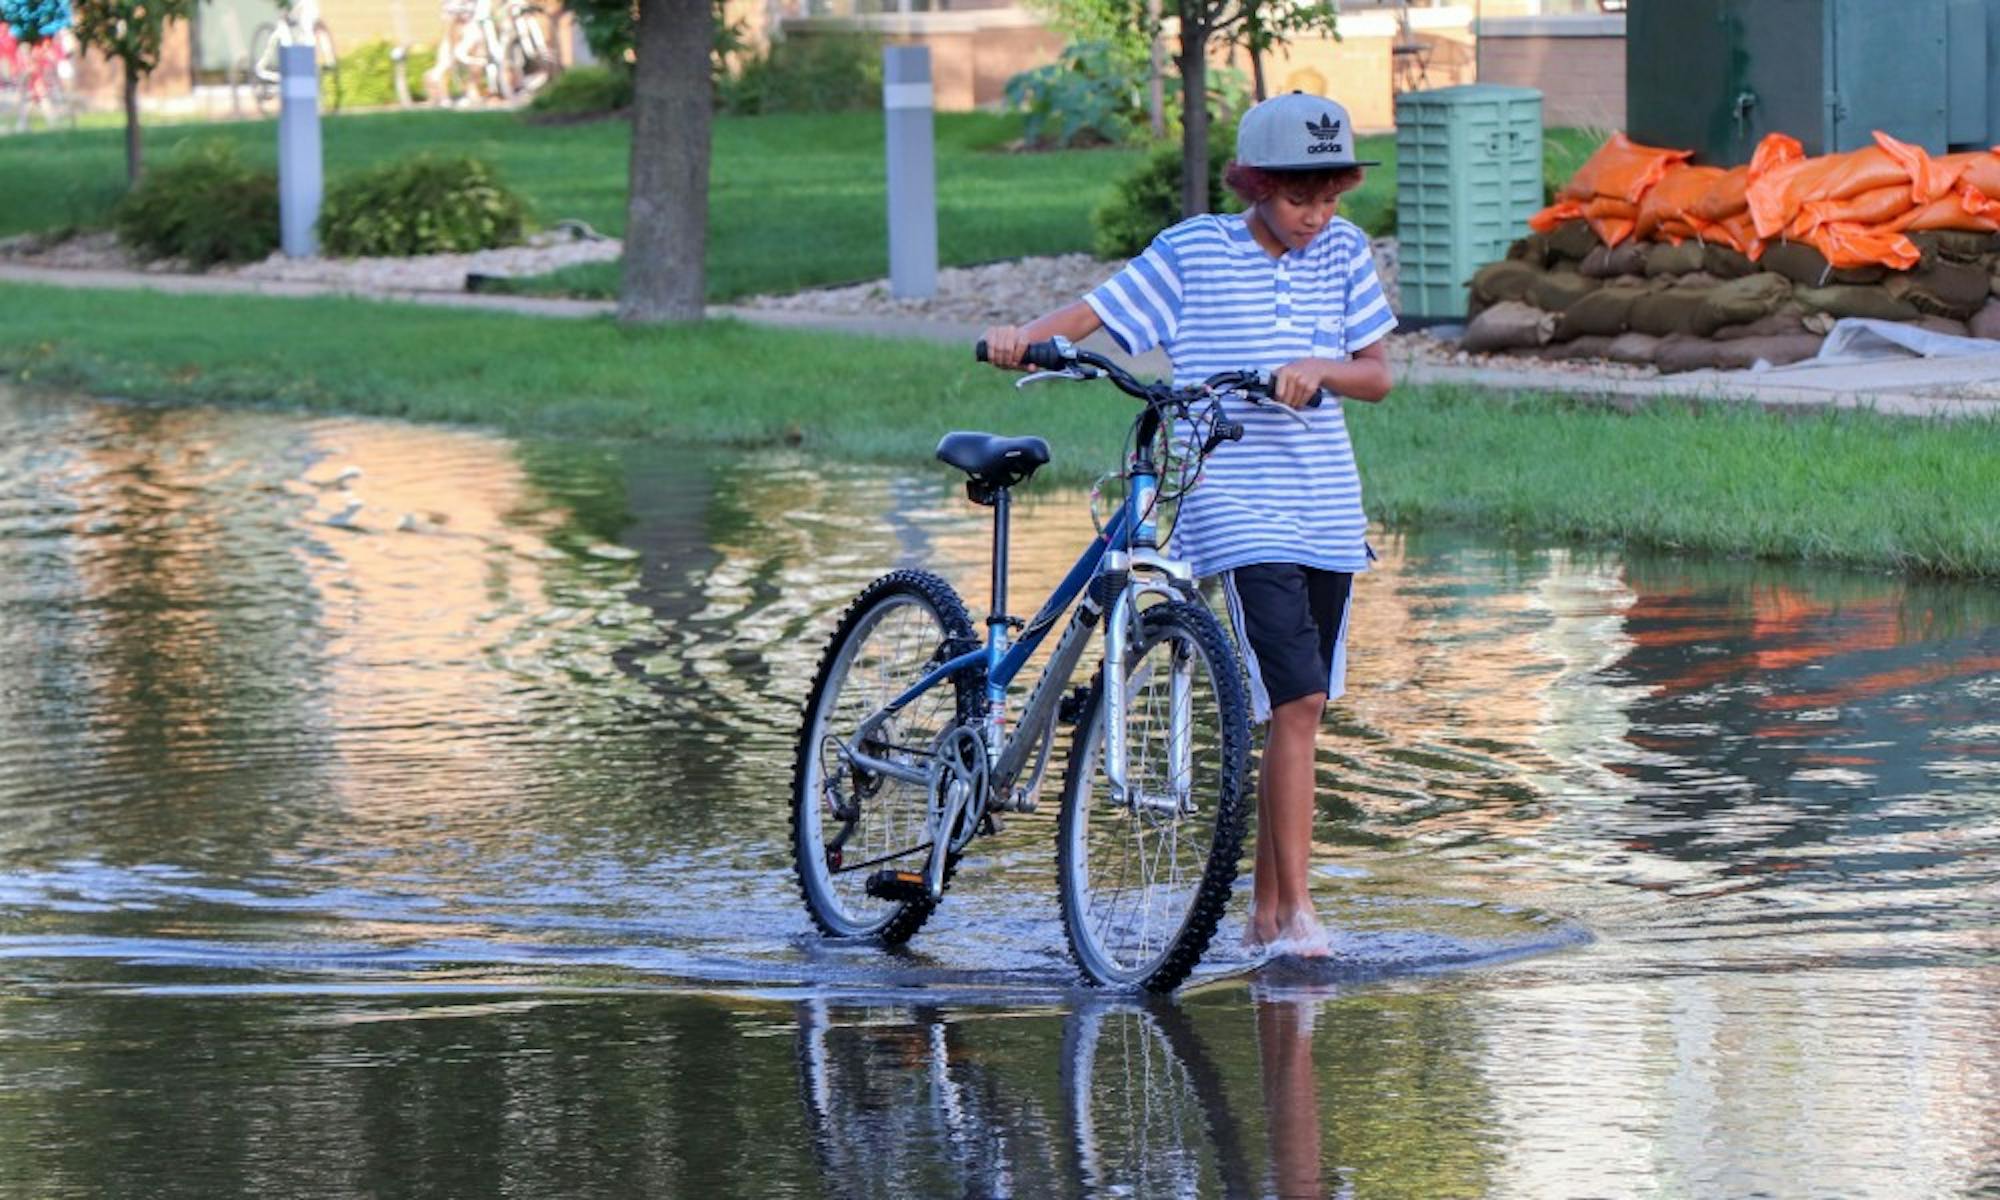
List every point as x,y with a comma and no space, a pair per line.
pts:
1326,132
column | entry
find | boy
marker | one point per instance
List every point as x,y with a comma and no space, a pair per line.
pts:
1290,287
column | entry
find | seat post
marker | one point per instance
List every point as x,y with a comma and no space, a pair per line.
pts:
1001,499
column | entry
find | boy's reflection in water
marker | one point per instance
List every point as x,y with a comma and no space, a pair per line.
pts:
1291,1096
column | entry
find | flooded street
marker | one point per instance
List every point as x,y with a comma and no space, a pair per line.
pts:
392,810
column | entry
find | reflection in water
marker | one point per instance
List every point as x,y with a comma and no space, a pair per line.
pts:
371,851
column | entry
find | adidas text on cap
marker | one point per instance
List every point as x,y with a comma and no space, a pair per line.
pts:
1297,132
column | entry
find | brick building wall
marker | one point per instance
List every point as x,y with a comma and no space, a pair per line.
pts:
1578,62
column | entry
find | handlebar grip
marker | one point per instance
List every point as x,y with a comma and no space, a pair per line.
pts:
1047,355
979,351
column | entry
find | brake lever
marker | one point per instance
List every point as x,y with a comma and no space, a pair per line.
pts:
1071,373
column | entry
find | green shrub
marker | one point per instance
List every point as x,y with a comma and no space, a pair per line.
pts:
421,205
205,206
1086,97
368,74
1148,199
584,91
807,74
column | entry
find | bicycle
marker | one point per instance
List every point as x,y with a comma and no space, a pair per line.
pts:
297,25
506,60
904,751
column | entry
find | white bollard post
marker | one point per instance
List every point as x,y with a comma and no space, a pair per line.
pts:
301,172
907,103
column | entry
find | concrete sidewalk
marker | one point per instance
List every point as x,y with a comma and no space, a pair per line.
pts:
1958,387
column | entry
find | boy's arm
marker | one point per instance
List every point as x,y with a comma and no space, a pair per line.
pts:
1366,376
1004,343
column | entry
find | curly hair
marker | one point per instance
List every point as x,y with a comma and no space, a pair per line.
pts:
1254,184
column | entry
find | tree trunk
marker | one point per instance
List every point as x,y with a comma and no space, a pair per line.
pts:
1194,117
1156,79
132,160
1253,37
666,223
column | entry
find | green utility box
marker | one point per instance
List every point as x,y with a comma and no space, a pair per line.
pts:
1715,76
1468,177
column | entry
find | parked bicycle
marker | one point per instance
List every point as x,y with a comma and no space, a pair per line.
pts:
298,24
502,56
907,749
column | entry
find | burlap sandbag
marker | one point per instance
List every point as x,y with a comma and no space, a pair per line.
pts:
1954,245
1663,258
1609,262
1801,263
1986,322
1508,325
1741,301
1943,325
1558,289
1941,288
1672,311
1533,250
1605,312
1572,240
1682,353
1744,353
1588,346
1634,348
1789,319
1856,300
1504,280
1725,262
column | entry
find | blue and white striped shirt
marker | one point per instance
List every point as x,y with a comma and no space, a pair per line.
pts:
1219,302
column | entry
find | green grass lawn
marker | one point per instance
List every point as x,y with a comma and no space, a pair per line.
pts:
1830,487
795,201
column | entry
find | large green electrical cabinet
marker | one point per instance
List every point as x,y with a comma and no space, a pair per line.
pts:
1715,76
1468,177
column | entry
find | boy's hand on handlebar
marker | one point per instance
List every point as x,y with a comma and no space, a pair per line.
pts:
1004,346
1297,383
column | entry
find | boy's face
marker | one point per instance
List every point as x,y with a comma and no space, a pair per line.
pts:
1296,213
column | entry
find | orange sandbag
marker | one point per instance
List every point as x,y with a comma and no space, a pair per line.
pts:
1621,169
1555,214
1979,168
1948,213
1846,245
1726,197
1877,206
1676,230
1777,197
1737,232
1612,220
1672,198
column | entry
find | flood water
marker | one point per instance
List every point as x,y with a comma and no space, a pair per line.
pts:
436,847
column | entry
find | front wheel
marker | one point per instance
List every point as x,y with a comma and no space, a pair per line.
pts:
1145,877
850,820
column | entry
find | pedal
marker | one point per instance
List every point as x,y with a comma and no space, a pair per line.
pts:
900,886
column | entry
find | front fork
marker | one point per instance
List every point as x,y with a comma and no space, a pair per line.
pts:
1121,626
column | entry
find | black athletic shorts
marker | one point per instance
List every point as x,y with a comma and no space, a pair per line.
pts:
1291,625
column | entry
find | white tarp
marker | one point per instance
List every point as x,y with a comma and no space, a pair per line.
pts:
1865,340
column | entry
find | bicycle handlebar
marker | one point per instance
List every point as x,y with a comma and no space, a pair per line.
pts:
1057,354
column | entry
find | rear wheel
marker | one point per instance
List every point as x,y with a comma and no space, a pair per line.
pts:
1145,878
848,821
263,73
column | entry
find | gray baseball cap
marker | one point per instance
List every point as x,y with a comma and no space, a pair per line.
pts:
1297,132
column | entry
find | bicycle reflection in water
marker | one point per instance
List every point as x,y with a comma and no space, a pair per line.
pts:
917,1101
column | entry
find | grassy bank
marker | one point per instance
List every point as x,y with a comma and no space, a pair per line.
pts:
1827,487
795,201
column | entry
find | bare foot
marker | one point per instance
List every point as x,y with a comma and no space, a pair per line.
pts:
1301,937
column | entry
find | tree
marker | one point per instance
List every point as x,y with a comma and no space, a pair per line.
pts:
666,224
1258,23
128,31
